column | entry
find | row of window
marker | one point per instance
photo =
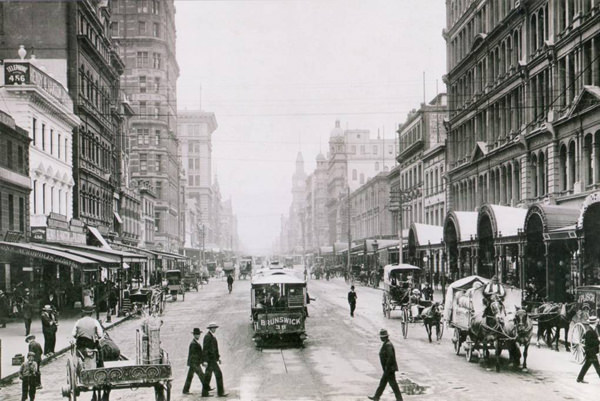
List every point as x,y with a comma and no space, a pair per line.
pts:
147,111
143,137
96,38
47,198
414,134
13,156
94,90
144,82
157,166
434,182
147,6
435,214
96,150
95,202
410,177
12,217
50,140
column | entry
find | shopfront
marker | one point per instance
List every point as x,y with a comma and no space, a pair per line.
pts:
461,246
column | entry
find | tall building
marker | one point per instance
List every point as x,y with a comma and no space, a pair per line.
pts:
296,223
77,50
315,212
145,33
354,157
524,130
43,107
195,129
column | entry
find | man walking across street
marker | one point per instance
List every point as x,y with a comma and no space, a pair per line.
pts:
194,362
352,300
49,328
387,357
212,359
229,282
36,348
591,342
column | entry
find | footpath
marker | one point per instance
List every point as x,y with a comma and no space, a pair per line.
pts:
12,339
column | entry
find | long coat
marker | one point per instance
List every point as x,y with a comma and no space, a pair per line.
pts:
194,354
387,357
591,342
211,348
36,348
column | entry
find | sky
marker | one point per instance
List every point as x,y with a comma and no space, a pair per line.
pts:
279,73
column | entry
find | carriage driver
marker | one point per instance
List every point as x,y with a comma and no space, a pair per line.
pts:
87,331
493,291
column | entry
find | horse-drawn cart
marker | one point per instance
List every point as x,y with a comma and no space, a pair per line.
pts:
480,324
151,369
588,304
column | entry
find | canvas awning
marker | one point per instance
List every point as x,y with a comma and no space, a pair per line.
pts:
41,252
465,224
506,221
105,261
99,237
120,256
426,234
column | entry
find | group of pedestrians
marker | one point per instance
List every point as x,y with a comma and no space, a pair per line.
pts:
204,355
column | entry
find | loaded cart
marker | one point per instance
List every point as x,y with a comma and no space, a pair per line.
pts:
151,368
474,329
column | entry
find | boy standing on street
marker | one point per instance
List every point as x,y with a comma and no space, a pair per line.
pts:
36,348
28,374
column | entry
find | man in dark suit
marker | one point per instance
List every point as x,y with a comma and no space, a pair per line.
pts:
387,357
352,300
212,359
49,328
591,342
36,348
194,363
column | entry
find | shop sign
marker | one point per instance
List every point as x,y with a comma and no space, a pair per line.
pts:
38,234
16,73
27,268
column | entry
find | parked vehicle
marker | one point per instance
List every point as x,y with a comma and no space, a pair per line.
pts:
278,307
588,304
175,284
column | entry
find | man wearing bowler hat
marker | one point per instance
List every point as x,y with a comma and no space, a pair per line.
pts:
194,363
36,348
212,359
387,357
591,343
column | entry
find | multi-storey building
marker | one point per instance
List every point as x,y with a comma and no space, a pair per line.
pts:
147,228
523,139
353,158
195,129
145,33
370,213
43,107
15,184
76,48
315,212
296,228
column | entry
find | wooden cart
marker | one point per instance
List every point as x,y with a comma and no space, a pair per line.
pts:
588,304
84,376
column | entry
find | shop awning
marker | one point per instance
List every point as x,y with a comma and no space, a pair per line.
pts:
99,237
563,233
49,254
105,261
465,224
118,217
119,256
326,250
170,255
553,217
426,234
506,221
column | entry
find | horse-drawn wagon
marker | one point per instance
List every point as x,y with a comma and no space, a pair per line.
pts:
401,291
481,323
587,299
151,368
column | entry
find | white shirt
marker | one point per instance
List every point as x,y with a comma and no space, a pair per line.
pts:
87,327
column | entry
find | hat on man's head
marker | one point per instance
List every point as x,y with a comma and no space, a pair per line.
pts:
47,307
88,309
383,333
196,331
213,325
592,320
29,337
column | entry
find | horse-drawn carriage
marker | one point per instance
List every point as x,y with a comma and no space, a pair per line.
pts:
175,284
191,281
481,323
245,267
151,368
147,301
401,291
587,299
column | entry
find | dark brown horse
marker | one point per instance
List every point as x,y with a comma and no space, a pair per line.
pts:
521,328
552,317
432,316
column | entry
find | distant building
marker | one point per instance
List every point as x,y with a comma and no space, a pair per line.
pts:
370,213
315,212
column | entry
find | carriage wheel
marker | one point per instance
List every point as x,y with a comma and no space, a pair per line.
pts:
440,333
71,380
456,341
577,343
469,345
404,322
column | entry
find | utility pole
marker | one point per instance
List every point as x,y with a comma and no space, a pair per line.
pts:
349,231
400,234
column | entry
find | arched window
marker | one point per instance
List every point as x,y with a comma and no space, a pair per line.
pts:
542,174
533,32
562,160
588,160
571,165
534,175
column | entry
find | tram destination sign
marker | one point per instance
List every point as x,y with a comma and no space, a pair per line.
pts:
279,322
